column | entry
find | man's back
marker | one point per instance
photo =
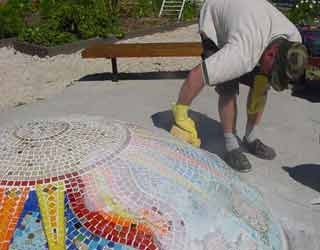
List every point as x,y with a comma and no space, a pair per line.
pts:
244,16
242,29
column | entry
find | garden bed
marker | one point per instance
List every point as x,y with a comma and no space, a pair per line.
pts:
132,28
51,27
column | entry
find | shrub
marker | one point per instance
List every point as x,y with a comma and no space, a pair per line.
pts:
305,12
190,11
144,8
12,17
54,22
10,23
138,8
43,35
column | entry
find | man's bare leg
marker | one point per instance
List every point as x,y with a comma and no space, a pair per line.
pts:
228,116
189,90
228,112
256,103
255,146
191,86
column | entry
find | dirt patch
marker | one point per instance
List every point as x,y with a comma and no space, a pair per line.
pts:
129,25
134,25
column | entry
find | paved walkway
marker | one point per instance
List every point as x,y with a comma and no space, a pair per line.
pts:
289,183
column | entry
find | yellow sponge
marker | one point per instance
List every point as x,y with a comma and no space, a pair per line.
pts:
185,136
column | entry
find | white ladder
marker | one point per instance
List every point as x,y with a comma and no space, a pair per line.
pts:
172,8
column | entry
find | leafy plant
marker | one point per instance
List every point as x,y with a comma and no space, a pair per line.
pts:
144,8
12,17
313,73
305,12
20,7
44,35
66,21
54,22
190,11
10,23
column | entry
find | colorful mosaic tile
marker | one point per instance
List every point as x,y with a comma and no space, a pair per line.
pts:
87,183
51,202
11,205
29,233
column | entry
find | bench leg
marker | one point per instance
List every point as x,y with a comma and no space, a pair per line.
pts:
114,70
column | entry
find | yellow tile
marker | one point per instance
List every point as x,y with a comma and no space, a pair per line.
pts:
52,213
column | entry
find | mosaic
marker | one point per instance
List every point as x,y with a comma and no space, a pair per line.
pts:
88,183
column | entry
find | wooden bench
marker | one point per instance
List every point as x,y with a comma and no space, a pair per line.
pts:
114,51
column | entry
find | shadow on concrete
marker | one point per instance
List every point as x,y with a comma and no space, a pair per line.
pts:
306,174
308,90
308,94
136,76
210,131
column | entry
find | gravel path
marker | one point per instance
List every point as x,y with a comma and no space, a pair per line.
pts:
24,78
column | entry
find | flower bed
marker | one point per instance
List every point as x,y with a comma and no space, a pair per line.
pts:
52,23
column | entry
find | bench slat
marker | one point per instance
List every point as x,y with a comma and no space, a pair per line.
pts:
143,50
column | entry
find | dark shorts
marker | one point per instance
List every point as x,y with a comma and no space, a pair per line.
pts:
229,88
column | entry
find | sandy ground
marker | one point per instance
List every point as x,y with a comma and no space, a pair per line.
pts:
290,124
24,78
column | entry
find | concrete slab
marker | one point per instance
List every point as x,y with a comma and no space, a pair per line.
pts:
291,125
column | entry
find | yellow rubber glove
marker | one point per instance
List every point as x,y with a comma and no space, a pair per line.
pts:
183,121
257,99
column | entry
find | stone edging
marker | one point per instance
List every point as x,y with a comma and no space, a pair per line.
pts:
42,51
69,48
6,42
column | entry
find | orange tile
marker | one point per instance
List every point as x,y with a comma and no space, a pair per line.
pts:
12,205
4,245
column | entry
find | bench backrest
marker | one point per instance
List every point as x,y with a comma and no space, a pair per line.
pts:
143,50
186,49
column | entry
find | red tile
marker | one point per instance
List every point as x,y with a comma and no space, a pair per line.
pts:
135,243
139,239
125,230
140,234
122,234
115,233
146,242
142,246
129,242
100,226
39,181
152,247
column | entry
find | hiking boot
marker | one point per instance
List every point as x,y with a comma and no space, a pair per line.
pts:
259,149
237,160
